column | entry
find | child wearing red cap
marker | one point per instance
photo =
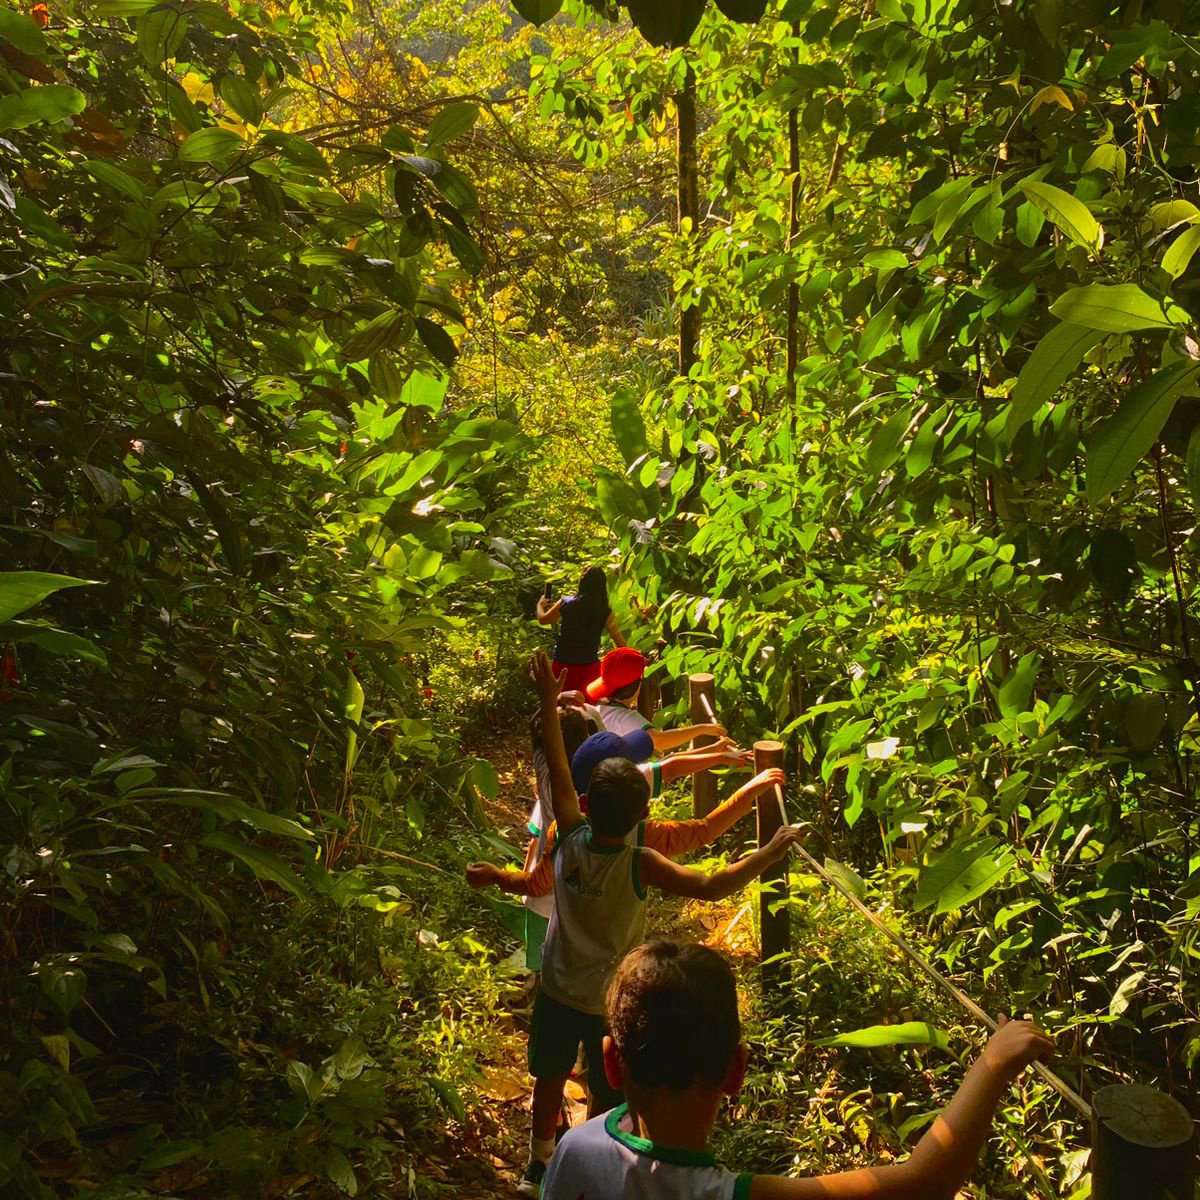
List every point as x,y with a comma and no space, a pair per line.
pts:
616,693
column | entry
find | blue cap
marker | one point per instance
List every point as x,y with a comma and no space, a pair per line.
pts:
636,746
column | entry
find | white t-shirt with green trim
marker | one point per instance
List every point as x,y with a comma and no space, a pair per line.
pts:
603,1160
621,720
599,916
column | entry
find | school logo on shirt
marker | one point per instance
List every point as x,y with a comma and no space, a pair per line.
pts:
573,880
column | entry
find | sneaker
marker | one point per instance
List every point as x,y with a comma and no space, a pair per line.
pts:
531,1185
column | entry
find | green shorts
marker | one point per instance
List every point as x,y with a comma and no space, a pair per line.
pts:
535,936
555,1034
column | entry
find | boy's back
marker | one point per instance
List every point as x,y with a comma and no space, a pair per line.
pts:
675,1048
599,915
603,1160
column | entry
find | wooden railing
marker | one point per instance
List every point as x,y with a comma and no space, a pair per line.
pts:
1143,1141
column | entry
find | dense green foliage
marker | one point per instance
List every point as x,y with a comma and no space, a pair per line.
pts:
954,567
327,331
225,431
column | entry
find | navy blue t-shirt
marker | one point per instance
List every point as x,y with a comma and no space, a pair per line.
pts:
579,632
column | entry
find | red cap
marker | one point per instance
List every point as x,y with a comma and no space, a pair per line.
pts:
618,668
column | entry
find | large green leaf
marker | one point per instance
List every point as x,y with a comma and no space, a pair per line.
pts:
627,425
210,145
62,981
114,177
877,334
22,32
437,341
886,442
1052,361
225,806
1181,251
424,391
538,11
908,1033
57,641
962,874
50,102
161,32
850,879
1018,685
618,500
1119,443
242,96
1117,308
452,121
742,10
263,863
381,332
485,779
20,590
666,22
1069,214
354,703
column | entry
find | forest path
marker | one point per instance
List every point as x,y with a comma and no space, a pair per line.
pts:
498,1135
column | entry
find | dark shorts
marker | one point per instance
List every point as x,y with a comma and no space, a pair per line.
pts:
555,1035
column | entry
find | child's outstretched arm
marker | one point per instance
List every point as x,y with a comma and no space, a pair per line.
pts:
944,1157
668,739
614,631
562,791
691,762
673,838
675,880
538,882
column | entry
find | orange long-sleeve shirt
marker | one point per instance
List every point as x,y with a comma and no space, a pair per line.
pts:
669,838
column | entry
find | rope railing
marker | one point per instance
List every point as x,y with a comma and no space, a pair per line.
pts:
1143,1141
1043,1072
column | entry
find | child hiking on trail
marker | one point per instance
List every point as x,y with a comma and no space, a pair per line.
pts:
582,620
670,838
577,722
616,693
675,1049
600,888
576,726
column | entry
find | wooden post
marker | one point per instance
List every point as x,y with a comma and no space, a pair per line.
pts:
702,695
688,206
667,689
774,926
793,294
1143,1145
650,698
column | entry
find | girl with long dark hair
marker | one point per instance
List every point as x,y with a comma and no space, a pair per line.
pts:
582,620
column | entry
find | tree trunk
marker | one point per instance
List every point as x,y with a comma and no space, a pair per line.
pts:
688,203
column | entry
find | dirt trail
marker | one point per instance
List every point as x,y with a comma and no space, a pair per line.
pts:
498,1138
